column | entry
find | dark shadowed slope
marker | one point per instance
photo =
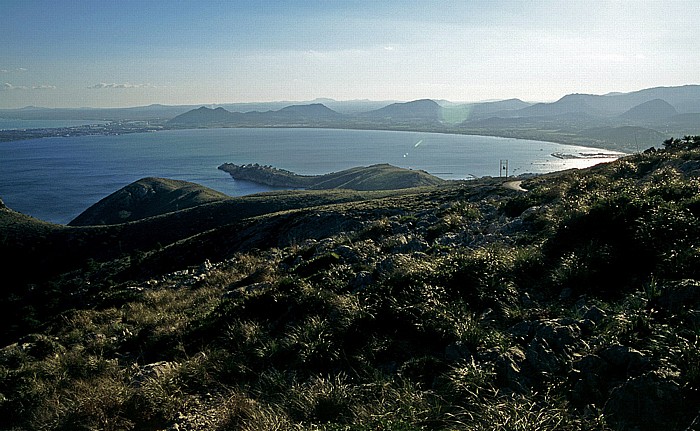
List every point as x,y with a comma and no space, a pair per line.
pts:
147,197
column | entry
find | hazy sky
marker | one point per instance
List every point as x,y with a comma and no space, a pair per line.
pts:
103,53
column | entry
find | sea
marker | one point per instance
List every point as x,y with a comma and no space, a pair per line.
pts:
55,179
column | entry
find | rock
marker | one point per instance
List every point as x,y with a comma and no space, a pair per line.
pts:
245,290
457,351
595,314
589,380
541,358
347,253
677,296
648,402
561,335
566,294
521,331
154,370
690,168
508,366
40,346
361,281
206,266
623,359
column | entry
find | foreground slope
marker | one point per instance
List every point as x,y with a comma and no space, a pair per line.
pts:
573,306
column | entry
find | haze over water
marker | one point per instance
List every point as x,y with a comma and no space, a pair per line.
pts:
55,179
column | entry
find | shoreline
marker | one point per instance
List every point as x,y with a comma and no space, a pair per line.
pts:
117,128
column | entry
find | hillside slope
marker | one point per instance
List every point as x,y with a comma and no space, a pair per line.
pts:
465,306
144,198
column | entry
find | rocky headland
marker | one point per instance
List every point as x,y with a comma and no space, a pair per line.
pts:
375,177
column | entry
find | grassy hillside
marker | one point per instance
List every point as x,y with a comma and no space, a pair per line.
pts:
469,306
144,198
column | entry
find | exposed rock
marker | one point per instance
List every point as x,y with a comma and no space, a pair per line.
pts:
623,359
457,351
589,380
561,335
362,280
508,367
541,358
153,370
649,402
595,315
690,168
679,295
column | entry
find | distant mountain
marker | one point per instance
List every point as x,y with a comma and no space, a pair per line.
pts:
314,114
144,198
572,103
500,105
203,116
313,111
417,110
457,113
684,99
656,109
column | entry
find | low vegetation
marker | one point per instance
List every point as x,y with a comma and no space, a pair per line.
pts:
572,306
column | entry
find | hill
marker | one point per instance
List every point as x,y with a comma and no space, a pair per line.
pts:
685,99
459,306
653,110
202,116
571,103
569,120
375,177
314,114
144,198
417,110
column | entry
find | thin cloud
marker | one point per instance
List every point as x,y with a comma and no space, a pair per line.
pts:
113,85
19,69
9,87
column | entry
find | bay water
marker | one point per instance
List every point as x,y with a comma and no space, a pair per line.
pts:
55,179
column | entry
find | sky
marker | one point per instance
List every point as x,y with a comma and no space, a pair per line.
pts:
103,53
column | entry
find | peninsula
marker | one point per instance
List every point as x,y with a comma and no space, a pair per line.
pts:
375,177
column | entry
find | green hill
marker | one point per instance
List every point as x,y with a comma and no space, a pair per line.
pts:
144,198
462,306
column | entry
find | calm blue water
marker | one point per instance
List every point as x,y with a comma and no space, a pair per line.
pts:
55,179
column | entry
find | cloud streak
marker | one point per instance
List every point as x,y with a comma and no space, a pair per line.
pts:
19,69
9,87
104,85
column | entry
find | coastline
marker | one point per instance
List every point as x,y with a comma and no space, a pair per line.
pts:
137,127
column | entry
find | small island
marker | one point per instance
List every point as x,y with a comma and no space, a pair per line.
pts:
375,177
